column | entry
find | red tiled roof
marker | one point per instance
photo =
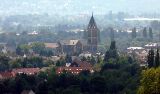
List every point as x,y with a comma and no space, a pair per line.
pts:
51,45
6,75
73,70
82,63
28,71
76,67
69,42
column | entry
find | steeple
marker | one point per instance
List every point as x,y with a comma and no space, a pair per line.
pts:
92,22
92,35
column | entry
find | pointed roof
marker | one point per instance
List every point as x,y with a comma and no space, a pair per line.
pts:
92,22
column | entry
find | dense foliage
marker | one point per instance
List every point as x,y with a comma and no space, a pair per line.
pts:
111,53
114,78
30,62
153,59
150,82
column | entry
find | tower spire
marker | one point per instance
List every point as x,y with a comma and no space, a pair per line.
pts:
92,35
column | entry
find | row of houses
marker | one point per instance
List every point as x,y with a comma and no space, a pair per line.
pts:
14,72
76,67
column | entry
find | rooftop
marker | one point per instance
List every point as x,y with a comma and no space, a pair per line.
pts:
51,45
69,42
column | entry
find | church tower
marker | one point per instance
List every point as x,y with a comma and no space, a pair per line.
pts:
93,35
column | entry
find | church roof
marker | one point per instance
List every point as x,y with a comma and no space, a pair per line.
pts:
69,42
51,45
92,22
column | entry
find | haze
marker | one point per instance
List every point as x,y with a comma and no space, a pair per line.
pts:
63,7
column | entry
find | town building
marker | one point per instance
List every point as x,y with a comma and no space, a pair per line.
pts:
93,35
139,53
6,75
27,71
14,72
134,49
76,67
55,47
71,47
152,46
85,54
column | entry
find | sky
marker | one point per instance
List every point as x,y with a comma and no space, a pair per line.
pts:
78,6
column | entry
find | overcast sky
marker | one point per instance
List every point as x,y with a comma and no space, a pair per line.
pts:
78,6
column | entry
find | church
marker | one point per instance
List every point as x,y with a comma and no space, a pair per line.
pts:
92,35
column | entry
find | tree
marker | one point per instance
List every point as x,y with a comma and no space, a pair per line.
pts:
2,88
107,56
84,58
111,34
150,33
68,59
38,47
15,63
19,51
42,88
22,49
134,33
93,60
99,59
61,62
130,60
113,45
4,63
112,52
150,82
150,58
145,32
98,85
157,60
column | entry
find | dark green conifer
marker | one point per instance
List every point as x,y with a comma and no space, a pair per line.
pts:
150,58
157,61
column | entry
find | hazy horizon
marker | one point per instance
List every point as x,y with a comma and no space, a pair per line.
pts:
63,7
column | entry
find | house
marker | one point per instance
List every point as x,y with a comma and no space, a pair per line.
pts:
76,67
139,53
51,45
71,47
3,48
135,48
152,46
131,50
27,92
14,72
142,57
55,58
28,71
6,75
85,54
33,33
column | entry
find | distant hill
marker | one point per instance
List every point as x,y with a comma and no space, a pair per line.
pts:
77,6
